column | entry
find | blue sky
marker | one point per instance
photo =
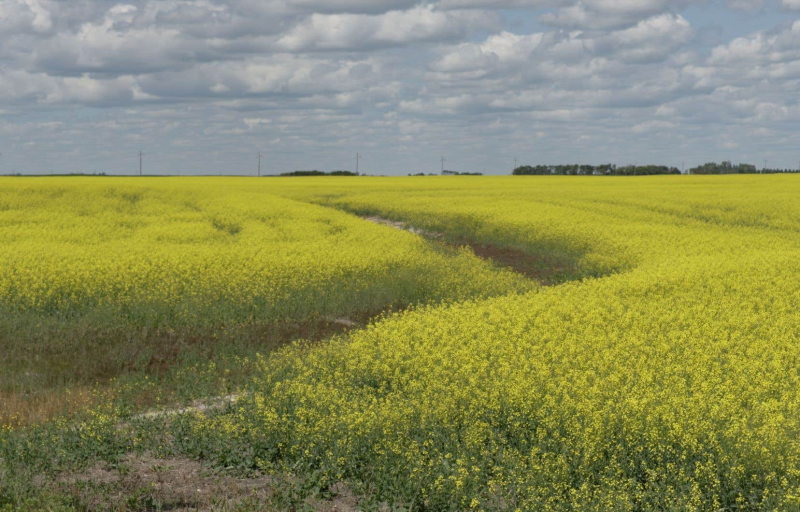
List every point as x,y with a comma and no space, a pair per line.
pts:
202,86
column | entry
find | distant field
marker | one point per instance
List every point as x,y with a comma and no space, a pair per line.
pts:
633,345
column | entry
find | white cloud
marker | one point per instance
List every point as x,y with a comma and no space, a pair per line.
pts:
23,15
40,88
352,6
544,56
354,31
498,4
610,14
252,122
760,48
113,45
501,49
398,77
652,39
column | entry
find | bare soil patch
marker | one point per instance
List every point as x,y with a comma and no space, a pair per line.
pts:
547,270
142,482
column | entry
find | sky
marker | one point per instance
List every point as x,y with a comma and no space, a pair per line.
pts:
203,86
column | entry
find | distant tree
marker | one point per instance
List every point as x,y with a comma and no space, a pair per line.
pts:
725,167
303,173
594,170
319,173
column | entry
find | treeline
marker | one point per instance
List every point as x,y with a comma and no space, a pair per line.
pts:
778,171
57,174
594,170
447,173
727,167
320,173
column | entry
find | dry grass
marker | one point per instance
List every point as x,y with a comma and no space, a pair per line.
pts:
143,482
158,356
18,409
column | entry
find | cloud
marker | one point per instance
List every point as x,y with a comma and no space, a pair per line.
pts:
170,34
610,14
760,48
352,6
313,80
115,46
652,39
286,76
498,4
543,56
498,50
26,15
21,86
395,28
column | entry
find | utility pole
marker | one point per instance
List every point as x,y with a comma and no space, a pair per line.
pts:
358,157
140,162
260,156
443,160
515,163
683,167
765,166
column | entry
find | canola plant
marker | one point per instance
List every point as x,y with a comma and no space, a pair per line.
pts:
198,251
664,375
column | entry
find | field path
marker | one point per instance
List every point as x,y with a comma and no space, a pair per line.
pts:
513,259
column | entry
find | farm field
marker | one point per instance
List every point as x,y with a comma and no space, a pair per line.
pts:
632,343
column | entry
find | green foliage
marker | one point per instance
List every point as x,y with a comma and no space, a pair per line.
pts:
727,167
723,168
594,170
318,173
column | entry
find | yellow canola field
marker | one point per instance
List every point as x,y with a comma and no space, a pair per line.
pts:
207,250
673,383
601,225
665,376
104,278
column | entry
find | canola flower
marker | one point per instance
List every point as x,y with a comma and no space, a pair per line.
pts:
651,391
116,277
666,376
673,383
208,251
